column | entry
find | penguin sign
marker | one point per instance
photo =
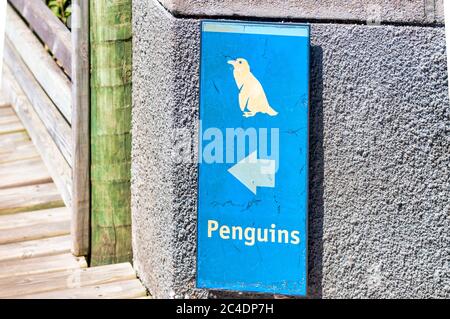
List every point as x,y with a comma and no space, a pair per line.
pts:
251,93
253,157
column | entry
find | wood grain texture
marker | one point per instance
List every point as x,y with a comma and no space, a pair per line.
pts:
33,218
20,150
49,28
9,141
6,119
12,138
35,248
69,279
45,70
110,131
80,128
55,162
117,290
39,265
57,127
6,111
23,173
29,198
34,225
8,128
38,231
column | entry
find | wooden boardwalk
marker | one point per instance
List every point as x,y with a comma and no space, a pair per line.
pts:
35,242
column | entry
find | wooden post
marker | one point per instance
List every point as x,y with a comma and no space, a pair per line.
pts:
80,127
110,131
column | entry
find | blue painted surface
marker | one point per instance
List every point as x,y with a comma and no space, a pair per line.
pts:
278,56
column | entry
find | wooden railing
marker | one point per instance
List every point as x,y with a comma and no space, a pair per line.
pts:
46,80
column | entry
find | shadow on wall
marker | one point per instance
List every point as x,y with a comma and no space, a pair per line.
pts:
316,180
316,175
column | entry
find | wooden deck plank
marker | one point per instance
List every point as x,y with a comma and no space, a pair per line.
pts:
23,173
35,245
117,290
34,232
35,248
7,140
11,128
39,265
29,198
69,279
6,111
18,151
8,119
34,218
58,167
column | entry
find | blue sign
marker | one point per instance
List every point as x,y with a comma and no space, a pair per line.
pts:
253,153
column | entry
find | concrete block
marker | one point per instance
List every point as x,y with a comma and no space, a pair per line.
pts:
379,158
399,11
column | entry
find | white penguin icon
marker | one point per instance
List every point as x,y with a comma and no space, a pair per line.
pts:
251,93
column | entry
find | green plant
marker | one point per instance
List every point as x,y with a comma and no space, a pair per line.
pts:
61,8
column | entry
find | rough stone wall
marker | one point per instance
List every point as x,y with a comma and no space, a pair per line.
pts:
379,158
411,11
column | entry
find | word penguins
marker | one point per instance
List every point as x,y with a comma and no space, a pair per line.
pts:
252,235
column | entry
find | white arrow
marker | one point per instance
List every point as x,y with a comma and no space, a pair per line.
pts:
254,172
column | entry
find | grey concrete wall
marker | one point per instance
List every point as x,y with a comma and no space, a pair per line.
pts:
410,11
379,158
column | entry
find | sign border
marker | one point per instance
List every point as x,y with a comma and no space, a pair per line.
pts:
199,136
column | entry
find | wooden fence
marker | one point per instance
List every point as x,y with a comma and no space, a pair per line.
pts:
46,80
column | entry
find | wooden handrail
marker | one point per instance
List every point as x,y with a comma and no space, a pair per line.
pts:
49,28
49,75
36,84
57,127
57,166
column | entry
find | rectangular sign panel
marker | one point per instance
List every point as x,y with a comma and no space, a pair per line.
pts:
253,171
